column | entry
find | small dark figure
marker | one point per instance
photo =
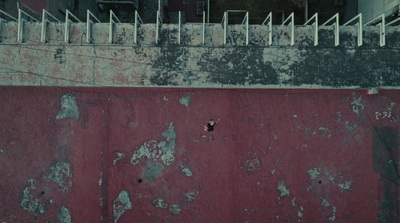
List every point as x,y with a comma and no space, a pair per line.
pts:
210,125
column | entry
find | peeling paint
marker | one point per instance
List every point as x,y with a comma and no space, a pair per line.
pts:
186,171
159,203
325,203
121,204
153,170
174,209
60,173
120,156
251,162
31,203
314,173
357,105
165,98
345,186
272,171
333,217
350,128
300,213
192,195
101,179
65,215
185,100
293,202
69,107
158,151
283,189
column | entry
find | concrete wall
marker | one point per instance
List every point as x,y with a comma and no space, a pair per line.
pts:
194,65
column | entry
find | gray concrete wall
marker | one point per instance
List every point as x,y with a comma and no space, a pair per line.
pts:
192,64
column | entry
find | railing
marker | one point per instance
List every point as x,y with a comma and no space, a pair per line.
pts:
335,25
44,24
315,24
382,33
112,17
67,21
158,26
291,24
138,21
224,24
393,22
359,23
89,23
246,22
204,26
21,22
268,20
7,15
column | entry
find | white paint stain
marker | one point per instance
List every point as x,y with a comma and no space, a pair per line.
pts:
294,116
385,114
65,215
272,171
325,203
101,179
283,189
174,209
60,173
185,100
120,156
159,203
31,203
165,98
333,217
121,204
69,107
192,195
314,173
186,171
293,202
350,127
157,150
300,213
345,186
357,105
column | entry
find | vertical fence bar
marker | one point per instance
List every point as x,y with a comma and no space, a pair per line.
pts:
225,25
157,25
247,28
88,27
382,36
110,34
44,26
20,27
179,28
204,26
66,33
269,20
136,25
360,27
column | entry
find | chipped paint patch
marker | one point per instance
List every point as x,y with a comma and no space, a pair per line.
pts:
121,204
333,217
192,195
65,215
385,114
251,162
165,98
272,171
31,203
283,189
300,213
293,202
325,203
120,156
101,179
357,105
185,100
69,107
314,173
157,151
350,128
60,173
159,203
186,171
153,170
345,186
174,209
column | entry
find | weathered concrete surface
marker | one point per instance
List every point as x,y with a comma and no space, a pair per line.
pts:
192,64
141,155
